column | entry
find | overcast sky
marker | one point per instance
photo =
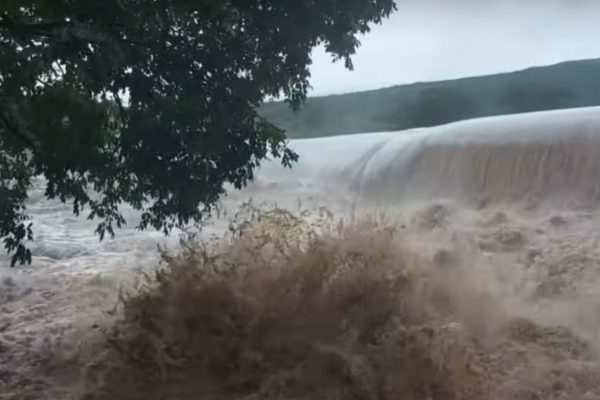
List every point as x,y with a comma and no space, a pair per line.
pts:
429,40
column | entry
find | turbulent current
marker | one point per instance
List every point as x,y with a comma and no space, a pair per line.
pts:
455,262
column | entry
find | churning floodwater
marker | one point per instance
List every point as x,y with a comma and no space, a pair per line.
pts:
508,205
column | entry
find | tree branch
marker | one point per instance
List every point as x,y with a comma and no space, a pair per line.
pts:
16,133
122,112
38,28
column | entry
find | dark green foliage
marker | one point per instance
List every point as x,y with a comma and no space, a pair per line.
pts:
192,73
535,96
565,85
432,107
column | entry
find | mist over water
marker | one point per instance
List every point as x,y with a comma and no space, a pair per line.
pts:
471,248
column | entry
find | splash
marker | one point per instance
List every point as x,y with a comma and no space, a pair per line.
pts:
458,262
296,306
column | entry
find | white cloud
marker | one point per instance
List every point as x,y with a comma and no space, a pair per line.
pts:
429,40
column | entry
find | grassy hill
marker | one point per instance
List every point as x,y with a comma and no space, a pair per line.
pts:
565,85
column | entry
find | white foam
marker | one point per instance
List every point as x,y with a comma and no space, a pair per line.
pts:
544,154
74,277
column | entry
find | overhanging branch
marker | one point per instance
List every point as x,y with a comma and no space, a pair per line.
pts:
22,137
36,28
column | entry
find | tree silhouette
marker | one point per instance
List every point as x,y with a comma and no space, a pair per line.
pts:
152,103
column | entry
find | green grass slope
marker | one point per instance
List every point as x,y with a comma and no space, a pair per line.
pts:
565,85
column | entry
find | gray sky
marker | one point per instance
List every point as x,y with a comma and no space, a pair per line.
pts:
429,40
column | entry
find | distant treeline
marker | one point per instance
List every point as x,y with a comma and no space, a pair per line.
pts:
565,85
